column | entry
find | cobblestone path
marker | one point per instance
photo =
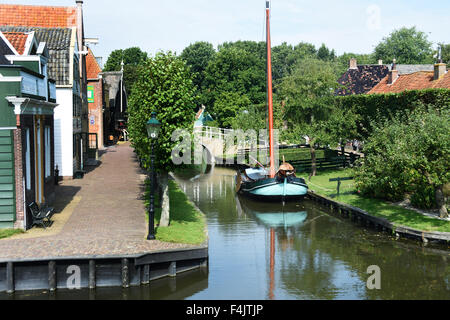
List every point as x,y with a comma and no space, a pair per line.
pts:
108,219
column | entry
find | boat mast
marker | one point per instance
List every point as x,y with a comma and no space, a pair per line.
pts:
269,92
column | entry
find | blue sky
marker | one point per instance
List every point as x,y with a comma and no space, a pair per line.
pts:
346,26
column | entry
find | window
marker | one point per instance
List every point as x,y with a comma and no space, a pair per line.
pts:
27,160
47,143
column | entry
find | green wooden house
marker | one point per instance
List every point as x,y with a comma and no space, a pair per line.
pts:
27,102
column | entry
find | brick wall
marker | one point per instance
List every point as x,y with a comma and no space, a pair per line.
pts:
96,112
18,165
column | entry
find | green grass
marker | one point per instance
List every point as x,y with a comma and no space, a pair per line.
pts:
348,194
6,233
187,224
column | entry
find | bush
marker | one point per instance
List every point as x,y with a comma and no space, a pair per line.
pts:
376,107
407,157
424,197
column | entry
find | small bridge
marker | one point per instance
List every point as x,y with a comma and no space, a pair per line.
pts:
221,143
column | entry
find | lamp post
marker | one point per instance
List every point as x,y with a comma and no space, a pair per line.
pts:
153,127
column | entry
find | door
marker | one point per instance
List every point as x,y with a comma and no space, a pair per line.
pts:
39,160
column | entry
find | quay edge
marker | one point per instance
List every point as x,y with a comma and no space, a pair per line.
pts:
54,273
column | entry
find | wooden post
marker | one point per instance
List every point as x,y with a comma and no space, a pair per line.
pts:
10,277
52,276
92,274
173,269
125,273
145,274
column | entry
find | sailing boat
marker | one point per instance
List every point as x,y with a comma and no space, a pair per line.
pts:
269,185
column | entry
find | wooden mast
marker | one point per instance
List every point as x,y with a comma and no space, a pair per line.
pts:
269,92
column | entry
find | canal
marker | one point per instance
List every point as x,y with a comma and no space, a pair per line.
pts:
264,251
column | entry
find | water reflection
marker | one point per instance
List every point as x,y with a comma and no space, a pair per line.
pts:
301,251
264,251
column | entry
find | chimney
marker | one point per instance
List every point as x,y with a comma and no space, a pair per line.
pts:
439,70
353,64
393,74
80,28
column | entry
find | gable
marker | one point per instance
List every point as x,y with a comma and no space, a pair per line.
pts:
58,43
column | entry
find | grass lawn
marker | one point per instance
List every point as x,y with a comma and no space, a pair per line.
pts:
6,233
187,224
379,208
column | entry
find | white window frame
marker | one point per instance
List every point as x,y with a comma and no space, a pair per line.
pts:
47,143
27,159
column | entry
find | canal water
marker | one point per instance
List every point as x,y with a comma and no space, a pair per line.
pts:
262,251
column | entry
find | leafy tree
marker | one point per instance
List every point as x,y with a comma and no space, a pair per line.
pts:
407,46
408,157
445,53
197,57
285,57
252,117
164,85
308,93
132,59
235,69
325,54
228,105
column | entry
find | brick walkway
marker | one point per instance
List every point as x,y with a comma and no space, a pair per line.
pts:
107,220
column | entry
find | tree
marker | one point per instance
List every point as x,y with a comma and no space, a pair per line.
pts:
285,57
197,57
228,106
407,46
132,59
238,69
308,93
325,54
445,53
164,85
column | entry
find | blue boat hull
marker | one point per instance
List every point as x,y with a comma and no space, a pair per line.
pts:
274,189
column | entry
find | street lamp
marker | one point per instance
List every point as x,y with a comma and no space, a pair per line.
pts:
153,127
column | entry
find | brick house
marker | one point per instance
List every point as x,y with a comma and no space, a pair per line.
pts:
27,102
95,99
361,79
62,28
395,82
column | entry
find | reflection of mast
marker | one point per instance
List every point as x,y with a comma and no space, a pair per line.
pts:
272,264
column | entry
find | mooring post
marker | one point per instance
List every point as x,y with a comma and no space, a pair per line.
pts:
92,275
173,269
10,277
145,279
52,276
125,273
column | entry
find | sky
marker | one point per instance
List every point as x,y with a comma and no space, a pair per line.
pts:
355,26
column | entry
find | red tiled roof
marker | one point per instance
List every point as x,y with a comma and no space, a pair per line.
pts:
38,16
18,40
92,67
413,81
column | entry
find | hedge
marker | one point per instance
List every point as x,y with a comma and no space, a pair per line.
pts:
376,106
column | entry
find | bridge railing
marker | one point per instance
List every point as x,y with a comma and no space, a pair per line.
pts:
211,133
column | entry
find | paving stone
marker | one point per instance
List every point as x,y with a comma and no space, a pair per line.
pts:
109,219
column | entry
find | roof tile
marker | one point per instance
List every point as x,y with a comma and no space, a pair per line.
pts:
38,16
415,81
18,40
